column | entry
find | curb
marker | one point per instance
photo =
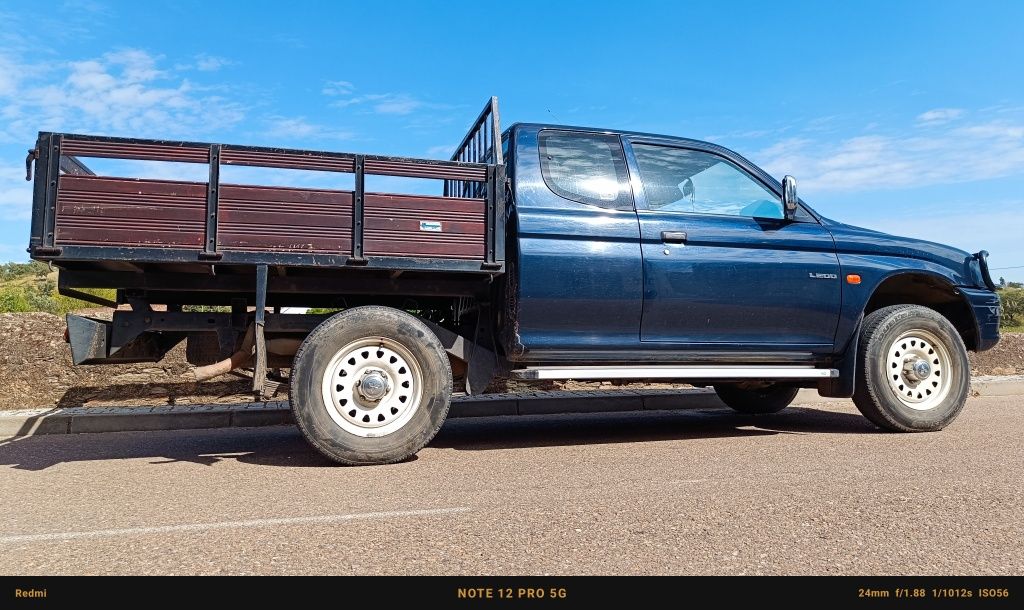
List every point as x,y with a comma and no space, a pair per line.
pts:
76,420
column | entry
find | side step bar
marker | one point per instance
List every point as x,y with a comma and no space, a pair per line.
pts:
674,372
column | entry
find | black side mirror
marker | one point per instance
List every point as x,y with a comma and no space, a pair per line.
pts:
789,198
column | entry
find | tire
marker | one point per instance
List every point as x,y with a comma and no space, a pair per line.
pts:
370,385
913,374
771,398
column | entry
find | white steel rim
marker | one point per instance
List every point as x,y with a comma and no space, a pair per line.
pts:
372,387
919,369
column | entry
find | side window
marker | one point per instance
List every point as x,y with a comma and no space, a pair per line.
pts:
583,167
682,180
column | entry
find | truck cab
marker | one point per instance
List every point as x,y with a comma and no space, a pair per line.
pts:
645,248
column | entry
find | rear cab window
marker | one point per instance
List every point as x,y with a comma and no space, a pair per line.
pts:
586,168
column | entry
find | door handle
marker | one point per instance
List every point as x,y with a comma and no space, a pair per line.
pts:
673,237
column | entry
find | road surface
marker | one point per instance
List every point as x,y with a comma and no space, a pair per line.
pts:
813,490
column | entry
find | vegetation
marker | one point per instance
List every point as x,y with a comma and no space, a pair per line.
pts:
1012,302
33,287
15,271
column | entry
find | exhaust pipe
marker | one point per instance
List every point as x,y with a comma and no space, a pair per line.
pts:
283,346
232,362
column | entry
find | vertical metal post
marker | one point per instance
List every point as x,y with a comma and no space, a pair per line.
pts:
259,375
212,202
491,194
52,182
42,154
496,131
357,212
499,212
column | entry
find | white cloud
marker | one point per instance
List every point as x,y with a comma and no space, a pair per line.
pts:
939,116
380,103
211,63
870,162
395,104
123,92
444,151
8,76
87,6
15,194
384,103
14,252
298,128
338,87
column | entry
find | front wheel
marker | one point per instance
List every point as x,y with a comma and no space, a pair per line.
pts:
913,372
756,398
370,385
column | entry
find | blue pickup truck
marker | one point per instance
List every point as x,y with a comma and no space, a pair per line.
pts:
548,252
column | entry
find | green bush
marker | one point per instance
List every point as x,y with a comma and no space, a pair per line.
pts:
13,299
41,295
13,271
1012,302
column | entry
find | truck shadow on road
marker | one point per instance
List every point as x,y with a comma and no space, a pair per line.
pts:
284,445
639,427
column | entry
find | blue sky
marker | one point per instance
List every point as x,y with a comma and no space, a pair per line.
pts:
902,116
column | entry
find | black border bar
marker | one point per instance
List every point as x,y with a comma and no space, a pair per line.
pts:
528,591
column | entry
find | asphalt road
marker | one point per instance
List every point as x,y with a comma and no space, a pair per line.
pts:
812,490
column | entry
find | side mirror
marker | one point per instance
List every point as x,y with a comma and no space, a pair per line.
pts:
789,198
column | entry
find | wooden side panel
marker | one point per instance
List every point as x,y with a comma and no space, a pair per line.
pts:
146,150
274,219
288,159
93,210
422,226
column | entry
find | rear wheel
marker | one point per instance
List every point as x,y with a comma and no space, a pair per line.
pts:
756,399
913,372
370,385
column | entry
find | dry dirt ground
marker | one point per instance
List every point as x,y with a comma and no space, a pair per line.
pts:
36,371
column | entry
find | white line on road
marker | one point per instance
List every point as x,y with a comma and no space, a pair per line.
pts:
201,527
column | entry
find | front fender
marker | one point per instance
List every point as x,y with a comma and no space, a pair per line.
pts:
874,269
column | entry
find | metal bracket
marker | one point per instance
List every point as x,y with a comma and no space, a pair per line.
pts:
88,298
357,212
32,156
259,375
52,176
212,200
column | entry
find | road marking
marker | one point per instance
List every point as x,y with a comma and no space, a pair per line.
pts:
202,527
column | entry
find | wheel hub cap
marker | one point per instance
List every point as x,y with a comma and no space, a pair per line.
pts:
373,386
917,368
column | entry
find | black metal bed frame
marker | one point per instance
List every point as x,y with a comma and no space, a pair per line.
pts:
51,161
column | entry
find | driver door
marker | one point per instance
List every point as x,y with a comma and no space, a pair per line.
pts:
722,268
